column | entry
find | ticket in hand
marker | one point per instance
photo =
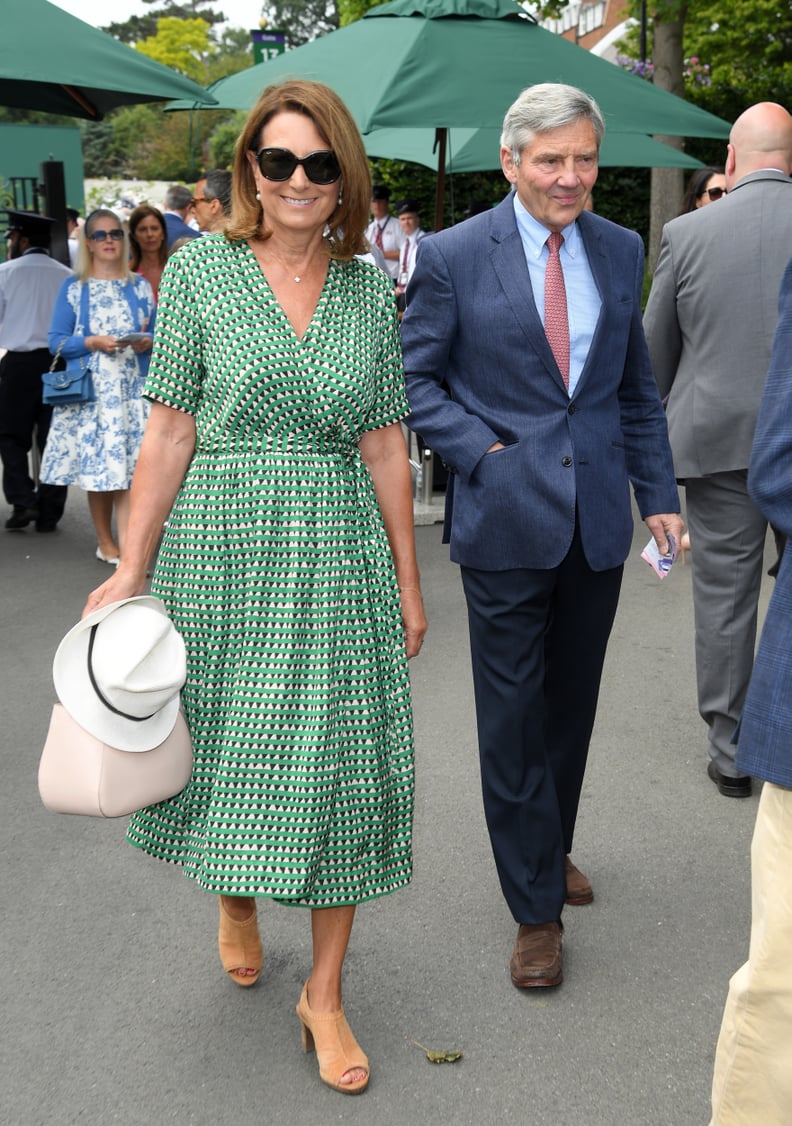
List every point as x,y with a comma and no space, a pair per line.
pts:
660,563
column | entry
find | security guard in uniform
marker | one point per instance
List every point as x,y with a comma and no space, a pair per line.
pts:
29,283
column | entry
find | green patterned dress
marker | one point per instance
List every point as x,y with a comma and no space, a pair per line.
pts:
276,569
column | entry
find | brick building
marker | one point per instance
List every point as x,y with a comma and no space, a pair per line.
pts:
596,26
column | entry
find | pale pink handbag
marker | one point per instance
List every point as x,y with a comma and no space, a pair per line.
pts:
78,773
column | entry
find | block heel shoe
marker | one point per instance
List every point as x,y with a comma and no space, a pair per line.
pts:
240,948
337,1050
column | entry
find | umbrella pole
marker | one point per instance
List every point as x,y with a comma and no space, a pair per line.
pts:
82,101
440,146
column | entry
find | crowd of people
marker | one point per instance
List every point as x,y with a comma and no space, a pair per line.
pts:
250,395
94,446
103,313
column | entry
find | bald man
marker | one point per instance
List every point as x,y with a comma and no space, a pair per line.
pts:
709,323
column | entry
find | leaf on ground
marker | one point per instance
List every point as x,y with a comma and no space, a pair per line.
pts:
436,1057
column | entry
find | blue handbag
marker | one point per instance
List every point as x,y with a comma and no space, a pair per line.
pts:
74,383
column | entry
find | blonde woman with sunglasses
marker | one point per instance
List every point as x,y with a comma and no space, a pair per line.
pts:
105,316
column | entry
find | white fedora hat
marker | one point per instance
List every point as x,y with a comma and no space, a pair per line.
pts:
118,672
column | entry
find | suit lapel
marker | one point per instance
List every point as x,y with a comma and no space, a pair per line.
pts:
600,266
508,261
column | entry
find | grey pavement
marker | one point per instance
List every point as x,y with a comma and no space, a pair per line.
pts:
113,1005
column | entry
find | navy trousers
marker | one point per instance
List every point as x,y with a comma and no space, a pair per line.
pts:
538,640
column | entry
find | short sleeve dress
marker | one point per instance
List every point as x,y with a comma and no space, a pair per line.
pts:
276,569
96,445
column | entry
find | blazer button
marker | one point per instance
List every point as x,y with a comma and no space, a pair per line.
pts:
566,462
571,408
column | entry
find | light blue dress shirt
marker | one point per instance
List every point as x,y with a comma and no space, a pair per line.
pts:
583,299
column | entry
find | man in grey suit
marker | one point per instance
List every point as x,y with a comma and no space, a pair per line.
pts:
709,323
543,430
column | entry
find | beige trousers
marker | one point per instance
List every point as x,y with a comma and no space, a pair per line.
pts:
752,1084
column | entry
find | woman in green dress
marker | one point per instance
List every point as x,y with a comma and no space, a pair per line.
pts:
275,453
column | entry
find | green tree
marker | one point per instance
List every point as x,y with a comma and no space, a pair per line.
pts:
723,57
137,28
747,46
222,141
146,142
302,20
100,155
182,45
351,10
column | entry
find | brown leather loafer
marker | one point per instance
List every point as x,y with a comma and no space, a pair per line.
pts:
578,888
536,959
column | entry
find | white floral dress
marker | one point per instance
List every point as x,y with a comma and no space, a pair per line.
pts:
96,445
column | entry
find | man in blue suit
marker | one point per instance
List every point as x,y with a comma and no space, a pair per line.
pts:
177,206
542,443
753,1076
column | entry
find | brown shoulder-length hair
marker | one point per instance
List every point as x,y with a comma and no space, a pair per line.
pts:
137,216
337,127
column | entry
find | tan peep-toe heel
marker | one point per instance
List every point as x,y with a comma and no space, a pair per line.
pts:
337,1050
240,946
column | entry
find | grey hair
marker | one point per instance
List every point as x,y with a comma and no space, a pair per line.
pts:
548,105
177,198
218,186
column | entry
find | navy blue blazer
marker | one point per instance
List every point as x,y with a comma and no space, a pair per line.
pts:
765,734
479,370
177,228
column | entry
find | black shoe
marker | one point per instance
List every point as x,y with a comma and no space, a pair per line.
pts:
20,518
739,787
45,525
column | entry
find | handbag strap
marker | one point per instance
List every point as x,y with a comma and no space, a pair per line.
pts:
84,319
56,357
133,301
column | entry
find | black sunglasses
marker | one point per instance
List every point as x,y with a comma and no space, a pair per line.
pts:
713,193
320,167
99,236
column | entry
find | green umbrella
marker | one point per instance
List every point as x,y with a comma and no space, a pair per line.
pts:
441,64
446,63
477,150
50,60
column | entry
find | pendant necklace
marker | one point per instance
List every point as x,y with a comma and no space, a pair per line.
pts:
294,277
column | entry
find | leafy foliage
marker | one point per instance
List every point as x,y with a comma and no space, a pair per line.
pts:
351,10
11,115
736,52
437,1056
182,45
622,195
419,183
222,141
748,46
145,142
137,28
302,20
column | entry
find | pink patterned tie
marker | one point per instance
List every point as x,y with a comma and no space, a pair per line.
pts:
556,321
406,254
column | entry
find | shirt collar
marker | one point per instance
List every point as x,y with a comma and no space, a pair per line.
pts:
534,234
